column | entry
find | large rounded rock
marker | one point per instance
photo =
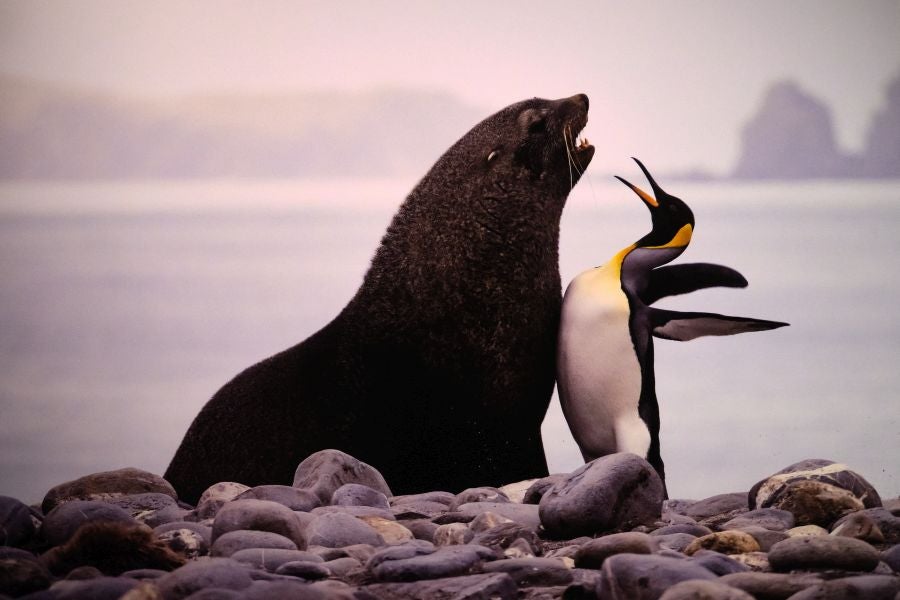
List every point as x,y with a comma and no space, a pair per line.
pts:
771,585
886,522
336,530
204,573
447,561
815,491
592,554
730,504
229,543
16,526
216,496
768,518
63,521
478,494
870,587
645,577
355,494
618,491
258,515
823,552
726,542
704,590
325,471
105,485
526,515
291,497
271,559
531,572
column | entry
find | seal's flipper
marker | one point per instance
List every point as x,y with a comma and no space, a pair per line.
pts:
689,277
684,326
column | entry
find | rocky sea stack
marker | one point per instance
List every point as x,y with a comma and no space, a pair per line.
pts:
815,529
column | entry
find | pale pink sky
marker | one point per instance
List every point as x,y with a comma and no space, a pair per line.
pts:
670,81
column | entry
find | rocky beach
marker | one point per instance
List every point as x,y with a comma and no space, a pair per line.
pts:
816,529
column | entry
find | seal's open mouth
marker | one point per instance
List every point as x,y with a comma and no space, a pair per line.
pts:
577,147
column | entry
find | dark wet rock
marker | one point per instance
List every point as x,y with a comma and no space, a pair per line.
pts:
861,526
726,542
528,572
888,523
771,586
693,529
478,494
816,491
16,525
16,553
229,543
445,498
453,517
618,491
341,567
63,521
107,485
270,559
824,552
767,518
504,534
540,487
526,515
84,572
766,538
216,496
286,495
422,529
640,577
446,561
721,504
718,563
305,569
19,577
101,588
204,573
355,494
499,586
335,530
186,538
145,574
324,472
869,587
592,554
111,547
354,511
704,590
453,534
421,509
891,557
673,541
258,515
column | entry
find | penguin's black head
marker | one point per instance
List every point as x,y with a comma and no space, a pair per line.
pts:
673,221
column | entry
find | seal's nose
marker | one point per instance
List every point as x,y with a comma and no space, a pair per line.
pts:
581,99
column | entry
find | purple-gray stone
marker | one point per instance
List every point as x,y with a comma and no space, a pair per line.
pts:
259,515
293,498
617,491
63,521
325,471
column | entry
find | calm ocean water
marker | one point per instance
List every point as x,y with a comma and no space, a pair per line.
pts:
124,307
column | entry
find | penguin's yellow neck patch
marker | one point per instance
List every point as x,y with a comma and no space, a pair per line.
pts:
681,239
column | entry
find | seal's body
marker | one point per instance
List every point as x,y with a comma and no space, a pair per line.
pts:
607,386
440,369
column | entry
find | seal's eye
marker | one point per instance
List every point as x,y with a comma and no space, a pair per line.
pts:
492,155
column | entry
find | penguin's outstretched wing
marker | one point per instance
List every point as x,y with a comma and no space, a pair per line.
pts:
673,280
684,326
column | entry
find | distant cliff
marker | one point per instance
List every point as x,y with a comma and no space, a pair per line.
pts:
49,132
792,137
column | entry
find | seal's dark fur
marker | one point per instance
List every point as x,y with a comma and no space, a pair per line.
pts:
440,369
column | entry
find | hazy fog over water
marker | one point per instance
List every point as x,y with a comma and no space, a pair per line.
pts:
669,81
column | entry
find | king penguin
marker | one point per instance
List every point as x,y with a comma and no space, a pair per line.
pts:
605,374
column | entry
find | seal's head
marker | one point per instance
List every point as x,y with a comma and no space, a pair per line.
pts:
529,149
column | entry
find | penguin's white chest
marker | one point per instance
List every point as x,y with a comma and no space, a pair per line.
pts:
598,372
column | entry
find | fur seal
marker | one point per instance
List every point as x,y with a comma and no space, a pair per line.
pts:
440,369
607,386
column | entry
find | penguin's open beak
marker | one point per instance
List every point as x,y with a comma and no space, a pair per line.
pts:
647,198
